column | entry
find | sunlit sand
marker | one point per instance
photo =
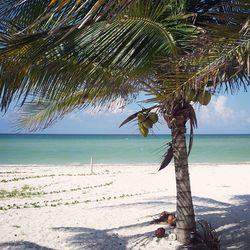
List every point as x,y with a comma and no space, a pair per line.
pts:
66,207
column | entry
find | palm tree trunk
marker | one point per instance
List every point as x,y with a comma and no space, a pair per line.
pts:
185,223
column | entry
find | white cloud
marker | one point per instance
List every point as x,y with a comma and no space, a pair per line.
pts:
76,117
114,110
219,113
204,113
221,109
114,107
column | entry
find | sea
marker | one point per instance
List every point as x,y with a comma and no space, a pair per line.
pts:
68,149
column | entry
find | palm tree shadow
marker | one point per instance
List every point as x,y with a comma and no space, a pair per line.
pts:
89,238
109,239
232,222
22,245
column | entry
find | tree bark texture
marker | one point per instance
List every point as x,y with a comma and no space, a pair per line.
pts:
185,224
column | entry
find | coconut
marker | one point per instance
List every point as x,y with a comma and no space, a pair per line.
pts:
153,117
143,130
160,232
204,98
191,96
148,123
171,220
141,117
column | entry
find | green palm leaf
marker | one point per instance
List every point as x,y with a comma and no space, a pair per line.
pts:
36,115
128,48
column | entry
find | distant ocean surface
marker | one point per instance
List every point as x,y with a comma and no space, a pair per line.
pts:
116,149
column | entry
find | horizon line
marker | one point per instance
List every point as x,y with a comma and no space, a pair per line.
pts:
35,133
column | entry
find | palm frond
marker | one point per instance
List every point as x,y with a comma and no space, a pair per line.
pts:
167,157
53,15
220,61
38,114
134,116
127,48
224,71
71,46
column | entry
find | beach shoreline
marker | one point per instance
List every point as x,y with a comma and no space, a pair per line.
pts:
68,207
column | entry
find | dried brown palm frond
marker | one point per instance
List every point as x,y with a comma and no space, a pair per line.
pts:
208,235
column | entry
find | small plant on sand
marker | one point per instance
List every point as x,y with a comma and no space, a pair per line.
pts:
26,178
16,226
23,193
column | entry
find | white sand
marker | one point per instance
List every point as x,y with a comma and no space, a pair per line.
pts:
112,209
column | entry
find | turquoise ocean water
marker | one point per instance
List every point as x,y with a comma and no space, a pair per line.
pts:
116,149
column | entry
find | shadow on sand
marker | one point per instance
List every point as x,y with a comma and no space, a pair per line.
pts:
88,238
231,221
22,245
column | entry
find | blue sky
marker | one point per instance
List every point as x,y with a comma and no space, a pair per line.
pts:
225,114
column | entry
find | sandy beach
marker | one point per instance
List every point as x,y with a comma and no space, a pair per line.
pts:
68,207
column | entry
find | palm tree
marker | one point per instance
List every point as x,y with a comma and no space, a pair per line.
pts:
150,47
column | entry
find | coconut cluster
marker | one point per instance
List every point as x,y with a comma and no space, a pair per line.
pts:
203,97
146,121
